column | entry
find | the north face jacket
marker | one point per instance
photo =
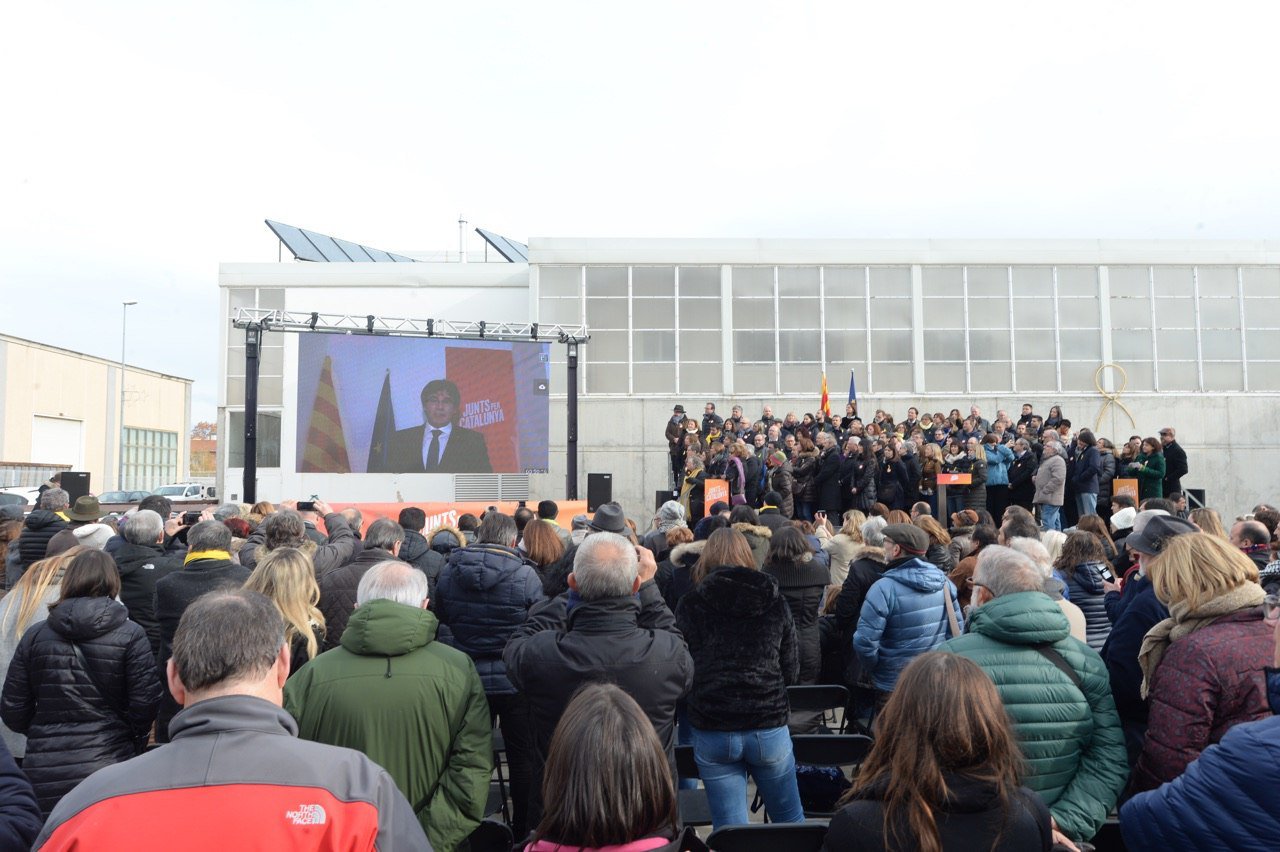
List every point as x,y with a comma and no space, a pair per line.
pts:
1070,735
237,777
141,566
902,617
412,704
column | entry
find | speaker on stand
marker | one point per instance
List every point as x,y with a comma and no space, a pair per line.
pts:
599,490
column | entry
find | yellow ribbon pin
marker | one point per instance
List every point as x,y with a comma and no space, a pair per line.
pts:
1112,398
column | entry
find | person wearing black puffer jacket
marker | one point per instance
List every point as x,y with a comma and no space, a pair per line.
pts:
82,685
142,563
40,526
416,550
484,594
803,581
743,641
1081,565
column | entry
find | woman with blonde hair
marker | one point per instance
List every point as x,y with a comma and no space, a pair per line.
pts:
945,770
1202,667
843,545
286,576
738,711
1208,522
24,605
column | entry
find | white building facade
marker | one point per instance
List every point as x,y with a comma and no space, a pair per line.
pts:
1192,330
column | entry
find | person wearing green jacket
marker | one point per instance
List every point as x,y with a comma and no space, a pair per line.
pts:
1149,468
1055,687
413,705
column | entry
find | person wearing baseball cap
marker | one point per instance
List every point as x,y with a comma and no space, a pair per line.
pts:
911,609
1134,610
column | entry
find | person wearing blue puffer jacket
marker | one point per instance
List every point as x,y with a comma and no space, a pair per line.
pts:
911,609
1084,569
999,459
1225,798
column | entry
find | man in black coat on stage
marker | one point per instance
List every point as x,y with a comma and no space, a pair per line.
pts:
439,445
1175,461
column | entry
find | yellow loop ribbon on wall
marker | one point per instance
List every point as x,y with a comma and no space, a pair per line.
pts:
1112,397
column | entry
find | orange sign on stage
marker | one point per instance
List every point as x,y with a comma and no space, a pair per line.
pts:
955,479
1121,485
715,490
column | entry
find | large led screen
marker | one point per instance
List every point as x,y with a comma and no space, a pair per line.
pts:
369,404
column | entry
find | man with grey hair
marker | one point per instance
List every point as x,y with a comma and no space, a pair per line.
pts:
1034,550
206,567
1054,687
289,528
49,519
866,566
143,562
612,625
411,703
235,750
1050,483
226,512
338,589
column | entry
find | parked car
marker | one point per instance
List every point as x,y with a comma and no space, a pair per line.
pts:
122,496
19,496
187,492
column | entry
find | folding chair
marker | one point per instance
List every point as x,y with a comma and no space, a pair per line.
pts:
839,750
490,836
821,698
694,807
774,837
499,750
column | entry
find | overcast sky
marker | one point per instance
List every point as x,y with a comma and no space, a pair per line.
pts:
144,143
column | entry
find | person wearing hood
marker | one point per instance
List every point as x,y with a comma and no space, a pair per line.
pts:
445,540
338,588
49,519
427,694
82,684
142,563
739,712
415,549
484,595
911,609
745,520
1054,687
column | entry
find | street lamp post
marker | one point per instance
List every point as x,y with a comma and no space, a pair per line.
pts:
124,332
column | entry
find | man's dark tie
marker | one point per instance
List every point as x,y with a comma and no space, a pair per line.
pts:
433,451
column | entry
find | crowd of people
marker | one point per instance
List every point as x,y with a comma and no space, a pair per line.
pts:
343,682
820,465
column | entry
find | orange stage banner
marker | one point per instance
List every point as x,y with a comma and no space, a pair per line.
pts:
955,479
715,490
446,514
1121,485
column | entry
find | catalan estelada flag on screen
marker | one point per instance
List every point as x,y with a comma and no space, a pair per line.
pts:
326,448
826,401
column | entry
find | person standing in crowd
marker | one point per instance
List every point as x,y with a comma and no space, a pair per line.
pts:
1202,667
911,609
803,581
804,465
425,692
1085,469
828,476
1253,540
1050,481
781,482
1175,461
234,751
1022,472
484,595
692,491
939,551
1216,804
844,544
207,566
285,576
1106,476
287,528
338,587
712,423
944,772
675,445
48,519
975,496
415,549
1149,468
1054,418
608,785
893,486
142,562
1081,565
1054,688
82,684
612,626
860,474
999,459
739,712
930,467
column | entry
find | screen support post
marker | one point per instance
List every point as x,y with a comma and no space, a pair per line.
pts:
571,439
252,356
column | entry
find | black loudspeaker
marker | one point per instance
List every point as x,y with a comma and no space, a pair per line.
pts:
599,490
76,484
660,497
1195,498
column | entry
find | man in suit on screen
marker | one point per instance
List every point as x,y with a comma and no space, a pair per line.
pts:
439,445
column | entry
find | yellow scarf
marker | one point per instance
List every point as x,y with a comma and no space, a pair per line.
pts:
193,555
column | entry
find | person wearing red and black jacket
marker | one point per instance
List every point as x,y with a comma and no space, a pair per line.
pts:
235,776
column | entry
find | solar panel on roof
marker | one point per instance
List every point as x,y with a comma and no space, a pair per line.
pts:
510,249
321,248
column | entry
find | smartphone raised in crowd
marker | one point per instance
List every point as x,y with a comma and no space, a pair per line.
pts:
190,518
306,505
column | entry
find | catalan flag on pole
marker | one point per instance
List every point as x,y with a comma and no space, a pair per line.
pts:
826,401
326,448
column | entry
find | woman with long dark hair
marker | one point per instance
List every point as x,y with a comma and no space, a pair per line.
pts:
1082,564
944,773
1149,468
803,580
607,783
743,642
82,684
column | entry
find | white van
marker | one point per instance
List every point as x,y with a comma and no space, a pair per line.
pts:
187,492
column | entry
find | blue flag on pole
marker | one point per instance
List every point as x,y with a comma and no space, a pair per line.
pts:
853,387
384,426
